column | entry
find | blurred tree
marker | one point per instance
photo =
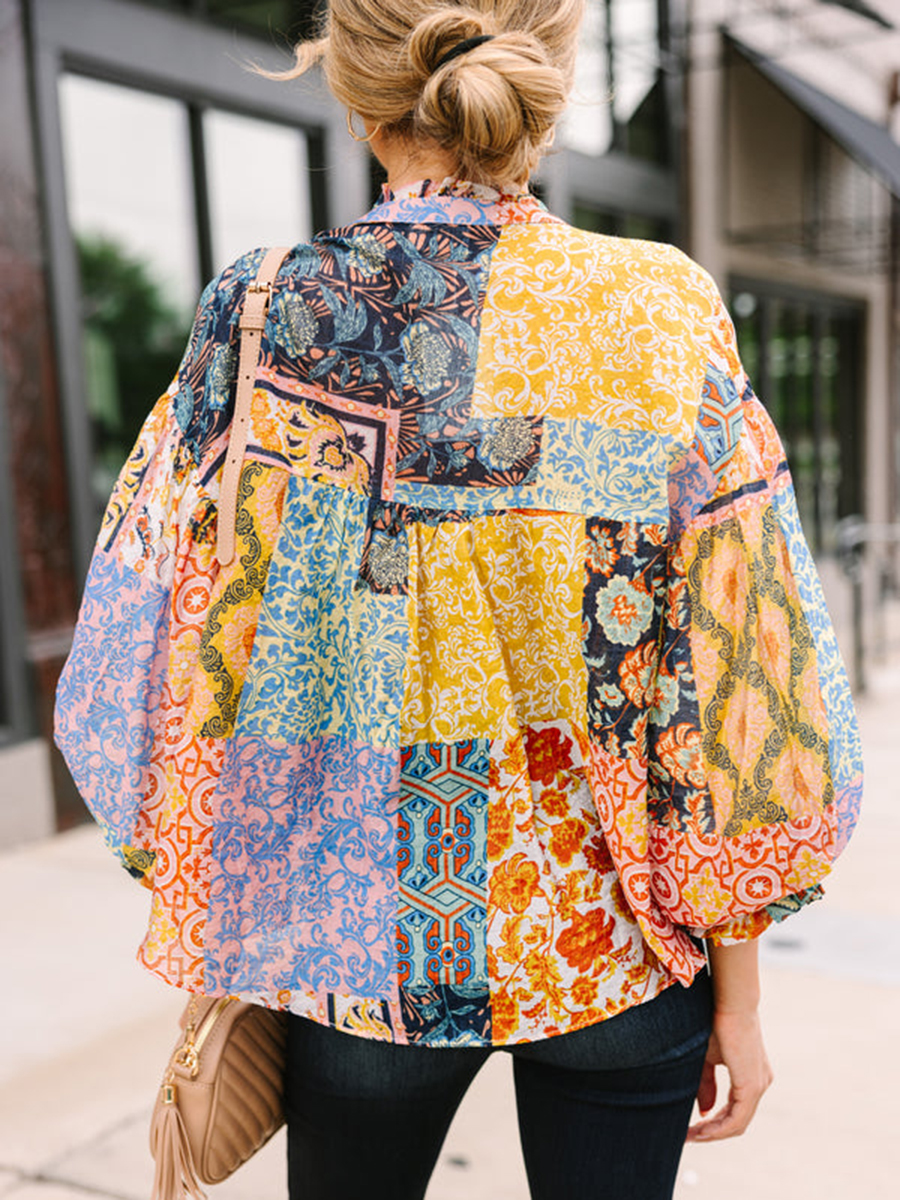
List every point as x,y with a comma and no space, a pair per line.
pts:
133,341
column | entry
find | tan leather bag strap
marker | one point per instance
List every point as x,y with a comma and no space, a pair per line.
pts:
253,320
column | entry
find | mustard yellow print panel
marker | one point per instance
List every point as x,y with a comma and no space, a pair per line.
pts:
764,727
580,325
144,534
322,436
134,470
494,611
230,628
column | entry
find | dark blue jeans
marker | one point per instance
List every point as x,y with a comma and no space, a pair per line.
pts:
602,1112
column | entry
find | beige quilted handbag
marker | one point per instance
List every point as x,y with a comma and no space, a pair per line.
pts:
221,1096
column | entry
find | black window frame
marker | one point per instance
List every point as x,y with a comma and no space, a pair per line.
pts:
16,707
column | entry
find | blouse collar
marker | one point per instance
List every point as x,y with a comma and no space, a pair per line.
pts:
456,201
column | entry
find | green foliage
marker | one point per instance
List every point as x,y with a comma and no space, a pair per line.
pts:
134,339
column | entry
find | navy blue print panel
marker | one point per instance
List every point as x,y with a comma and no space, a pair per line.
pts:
488,452
642,697
625,563
677,792
441,1015
384,316
204,401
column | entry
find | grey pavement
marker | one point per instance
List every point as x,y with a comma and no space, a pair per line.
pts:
85,1034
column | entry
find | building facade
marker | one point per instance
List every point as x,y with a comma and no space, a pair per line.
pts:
792,207
140,152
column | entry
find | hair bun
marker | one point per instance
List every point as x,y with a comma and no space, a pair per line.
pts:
495,106
436,35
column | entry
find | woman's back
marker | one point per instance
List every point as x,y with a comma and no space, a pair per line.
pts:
472,671
519,684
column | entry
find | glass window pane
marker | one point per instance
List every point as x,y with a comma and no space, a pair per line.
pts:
258,181
294,19
288,18
828,360
183,5
587,125
585,216
806,354
746,312
649,229
129,192
619,100
620,224
638,96
635,54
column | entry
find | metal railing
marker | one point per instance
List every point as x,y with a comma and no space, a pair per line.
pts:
854,536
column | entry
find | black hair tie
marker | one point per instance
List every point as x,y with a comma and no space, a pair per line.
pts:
462,48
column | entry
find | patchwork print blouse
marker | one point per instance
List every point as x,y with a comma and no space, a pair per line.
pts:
521,678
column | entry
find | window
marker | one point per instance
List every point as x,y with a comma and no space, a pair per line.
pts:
130,197
622,224
619,98
240,153
790,190
803,354
285,18
291,18
161,195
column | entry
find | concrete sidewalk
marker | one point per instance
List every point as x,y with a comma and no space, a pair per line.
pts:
85,1034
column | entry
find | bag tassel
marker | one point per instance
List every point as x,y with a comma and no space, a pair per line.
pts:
176,1175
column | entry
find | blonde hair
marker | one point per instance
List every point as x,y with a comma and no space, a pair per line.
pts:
493,109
